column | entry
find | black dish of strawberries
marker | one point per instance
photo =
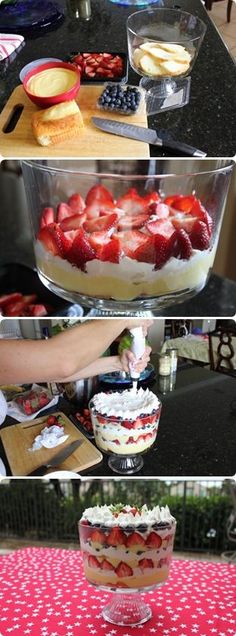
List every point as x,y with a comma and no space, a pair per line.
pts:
97,67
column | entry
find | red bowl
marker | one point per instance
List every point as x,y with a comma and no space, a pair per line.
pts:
45,102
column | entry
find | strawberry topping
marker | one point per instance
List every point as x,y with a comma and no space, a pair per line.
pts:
123,569
54,239
81,251
100,224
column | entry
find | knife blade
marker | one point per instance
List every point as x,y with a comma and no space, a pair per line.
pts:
57,459
148,135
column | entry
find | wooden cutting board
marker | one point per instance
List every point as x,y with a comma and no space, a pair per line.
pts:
17,439
91,143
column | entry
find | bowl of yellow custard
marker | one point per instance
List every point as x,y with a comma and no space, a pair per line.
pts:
52,83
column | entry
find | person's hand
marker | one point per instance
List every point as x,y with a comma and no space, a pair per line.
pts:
128,360
131,323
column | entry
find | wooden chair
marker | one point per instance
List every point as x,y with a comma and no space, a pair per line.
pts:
208,5
225,350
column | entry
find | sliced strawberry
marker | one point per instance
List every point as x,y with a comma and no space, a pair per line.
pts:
108,208
200,236
199,211
73,222
54,239
81,251
146,563
37,310
108,56
99,194
153,540
92,211
183,203
110,251
98,537
163,249
135,540
106,565
132,222
90,73
93,562
63,212
152,197
123,569
15,309
76,203
146,253
98,239
162,227
183,222
131,240
160,210
47,217
116,537
132,203
8,299
101,224
184,246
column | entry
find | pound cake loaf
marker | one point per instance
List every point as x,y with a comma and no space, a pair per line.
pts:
57,123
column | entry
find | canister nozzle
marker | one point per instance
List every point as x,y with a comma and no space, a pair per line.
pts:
137,347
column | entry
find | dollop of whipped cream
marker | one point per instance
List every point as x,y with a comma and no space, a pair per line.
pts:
105,515
128,404
49,437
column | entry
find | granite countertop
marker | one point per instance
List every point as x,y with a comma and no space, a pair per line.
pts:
208,122
196,431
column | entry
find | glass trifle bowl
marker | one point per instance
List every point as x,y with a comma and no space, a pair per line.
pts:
125,425
127,550
137,240
163,45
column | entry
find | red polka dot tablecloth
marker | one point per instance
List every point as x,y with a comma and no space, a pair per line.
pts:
43,592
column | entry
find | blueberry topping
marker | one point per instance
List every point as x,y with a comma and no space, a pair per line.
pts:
142,528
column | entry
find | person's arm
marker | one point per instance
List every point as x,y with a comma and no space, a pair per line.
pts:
110,364
64,355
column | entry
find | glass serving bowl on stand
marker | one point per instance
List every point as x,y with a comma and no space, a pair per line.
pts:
163,45
108,566
123,252
125,440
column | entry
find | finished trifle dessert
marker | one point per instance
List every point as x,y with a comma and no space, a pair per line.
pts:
127,548
125,423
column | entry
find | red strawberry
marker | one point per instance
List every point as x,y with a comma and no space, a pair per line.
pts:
162,227
98,193
152,197
106,565
199,211
127,424
199,236
81,251
15,309
153,540
76,203
184,222
132,222
131,240
7,299
107,208
37,311
110,251
102,223
183,203
184,245
47,217
146,563
135,539
163,248
146,252
98,537
123,569
98,239
52,420
131,202
161,210
116,537
73,222
54,239
93,561
63,211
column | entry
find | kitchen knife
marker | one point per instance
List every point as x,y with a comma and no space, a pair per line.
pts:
57,459
149,135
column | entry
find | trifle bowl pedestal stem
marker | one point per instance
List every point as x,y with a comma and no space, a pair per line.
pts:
127,609
165,94
125,465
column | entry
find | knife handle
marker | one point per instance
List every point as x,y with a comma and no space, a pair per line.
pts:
183,148
38,472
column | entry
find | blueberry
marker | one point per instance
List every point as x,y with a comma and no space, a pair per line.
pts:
142,528
108,99
129,529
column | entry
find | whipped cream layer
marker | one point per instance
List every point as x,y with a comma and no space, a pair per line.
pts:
105,515
128,404
128,279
